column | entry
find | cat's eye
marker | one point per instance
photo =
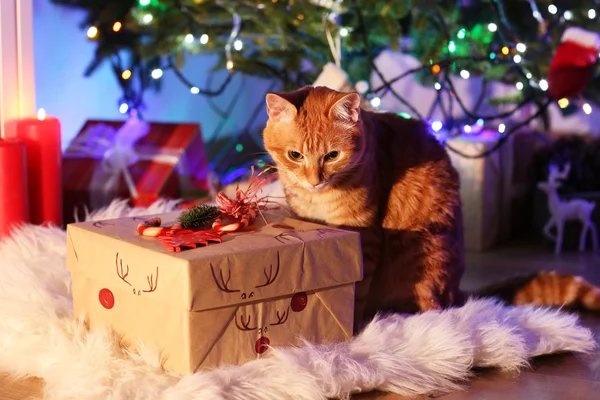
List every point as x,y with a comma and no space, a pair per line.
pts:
294,155
332,155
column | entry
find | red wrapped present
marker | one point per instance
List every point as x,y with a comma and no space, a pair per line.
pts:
133,160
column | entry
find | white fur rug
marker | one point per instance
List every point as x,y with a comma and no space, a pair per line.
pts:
431,352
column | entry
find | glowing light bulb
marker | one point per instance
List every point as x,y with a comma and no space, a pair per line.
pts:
492,56
465,74
517,58
238,45
436,125
229,65
189,38
528,75
519,85
204,39
126,74
194,90
437,86
41,114
521,47
147,18
451,47
568,15
344,32
123,108
591,13
467,128
563,103
117,26
480,122
92,32
404,115
501,128
461,33
375,102
144,2
157,73
362,86
492,27
552,9
543,84
505,50
587,108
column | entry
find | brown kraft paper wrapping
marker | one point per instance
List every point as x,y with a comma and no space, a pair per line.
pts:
222,304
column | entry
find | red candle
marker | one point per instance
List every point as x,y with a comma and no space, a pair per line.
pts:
44,158
14,204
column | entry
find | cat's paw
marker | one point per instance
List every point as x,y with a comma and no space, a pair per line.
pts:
428,304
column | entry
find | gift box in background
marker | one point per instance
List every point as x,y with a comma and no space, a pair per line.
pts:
132,160
484,188
496,190
222,304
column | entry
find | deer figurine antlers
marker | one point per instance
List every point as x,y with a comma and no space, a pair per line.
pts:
563,211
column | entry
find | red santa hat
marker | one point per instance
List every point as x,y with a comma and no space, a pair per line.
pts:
573,62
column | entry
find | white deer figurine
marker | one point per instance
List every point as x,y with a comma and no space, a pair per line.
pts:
563,211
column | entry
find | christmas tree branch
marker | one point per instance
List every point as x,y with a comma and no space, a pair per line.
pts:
365,38
506,135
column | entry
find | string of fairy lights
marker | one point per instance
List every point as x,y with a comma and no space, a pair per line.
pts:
513,52
131,101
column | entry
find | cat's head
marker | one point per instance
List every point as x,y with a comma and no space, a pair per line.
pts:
314,135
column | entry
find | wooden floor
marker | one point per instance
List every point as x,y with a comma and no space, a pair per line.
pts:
560,377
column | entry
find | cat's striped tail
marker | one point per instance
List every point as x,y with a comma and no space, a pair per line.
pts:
546,289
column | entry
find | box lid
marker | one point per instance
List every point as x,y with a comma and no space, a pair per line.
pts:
281,257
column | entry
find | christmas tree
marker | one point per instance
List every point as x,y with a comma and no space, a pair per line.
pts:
509,41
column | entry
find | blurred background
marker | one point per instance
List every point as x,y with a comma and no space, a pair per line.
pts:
510,87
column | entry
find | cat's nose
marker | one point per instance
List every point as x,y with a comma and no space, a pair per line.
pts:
313,180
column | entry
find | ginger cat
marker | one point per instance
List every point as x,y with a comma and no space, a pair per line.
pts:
381,175
389,179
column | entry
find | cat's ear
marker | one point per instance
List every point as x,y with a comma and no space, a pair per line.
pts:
280,109
347,108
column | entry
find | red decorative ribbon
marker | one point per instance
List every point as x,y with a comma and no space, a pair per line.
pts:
247,205
241,212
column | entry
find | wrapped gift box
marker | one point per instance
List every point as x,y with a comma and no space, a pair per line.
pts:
486,186
132,160
220,304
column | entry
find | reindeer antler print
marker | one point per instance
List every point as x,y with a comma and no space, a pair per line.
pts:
270,277
101,224
120,272
282,318
286,236
321,232
152,283
243,324
223,284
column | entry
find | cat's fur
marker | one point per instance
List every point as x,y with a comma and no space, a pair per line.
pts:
394,183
